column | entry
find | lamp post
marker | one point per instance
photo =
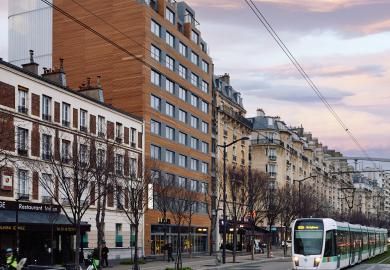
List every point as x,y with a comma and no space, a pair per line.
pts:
224,146
299,191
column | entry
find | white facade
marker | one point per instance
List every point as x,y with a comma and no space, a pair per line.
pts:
30,27
33,85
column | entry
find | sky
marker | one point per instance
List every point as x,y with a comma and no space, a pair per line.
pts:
343,45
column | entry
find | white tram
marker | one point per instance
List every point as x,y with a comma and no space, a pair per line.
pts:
323,243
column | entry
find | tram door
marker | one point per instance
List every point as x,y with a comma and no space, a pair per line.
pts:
352,246
360,245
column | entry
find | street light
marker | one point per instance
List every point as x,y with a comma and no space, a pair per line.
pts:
299,190
224,146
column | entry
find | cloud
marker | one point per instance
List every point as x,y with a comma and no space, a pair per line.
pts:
380,26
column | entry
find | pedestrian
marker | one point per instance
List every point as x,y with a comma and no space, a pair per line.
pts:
105,252
169,250
10,259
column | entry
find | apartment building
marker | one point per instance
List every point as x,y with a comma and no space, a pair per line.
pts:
42,123
162,73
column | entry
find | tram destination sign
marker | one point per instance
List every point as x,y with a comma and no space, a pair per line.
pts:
30,207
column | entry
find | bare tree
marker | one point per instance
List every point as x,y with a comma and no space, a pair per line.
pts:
192,199
132,196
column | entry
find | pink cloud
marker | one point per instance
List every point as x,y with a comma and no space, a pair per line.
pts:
376,27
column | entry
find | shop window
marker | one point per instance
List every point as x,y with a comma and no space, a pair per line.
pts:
118,235
85,241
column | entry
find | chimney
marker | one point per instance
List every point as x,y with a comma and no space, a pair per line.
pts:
56,75
225,78
32,66
260,112
93,91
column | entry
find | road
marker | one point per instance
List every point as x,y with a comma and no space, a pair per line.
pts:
283,265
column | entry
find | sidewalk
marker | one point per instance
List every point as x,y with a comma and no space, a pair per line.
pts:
207,262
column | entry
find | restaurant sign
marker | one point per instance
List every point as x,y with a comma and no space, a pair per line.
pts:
30,207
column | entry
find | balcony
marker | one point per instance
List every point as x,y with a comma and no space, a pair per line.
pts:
83,129
272,174
267,141
46,156
236,116
65,123
118,139
133,144
22,152
46,117
101,134
22,109
23,196
47,199
65,160
272,158
234,158
119,172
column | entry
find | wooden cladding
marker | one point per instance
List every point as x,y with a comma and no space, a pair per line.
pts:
126,139
35,186
75,118
56,112
7,95
7,132
35,140
35,105
110,130
92,123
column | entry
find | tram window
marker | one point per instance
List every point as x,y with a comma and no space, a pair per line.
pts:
330,247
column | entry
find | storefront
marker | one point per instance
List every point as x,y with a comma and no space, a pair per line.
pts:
198,241
45,235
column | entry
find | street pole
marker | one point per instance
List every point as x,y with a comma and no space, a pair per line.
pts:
17,228
299,191
224,206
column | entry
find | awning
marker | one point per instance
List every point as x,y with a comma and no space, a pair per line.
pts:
38,221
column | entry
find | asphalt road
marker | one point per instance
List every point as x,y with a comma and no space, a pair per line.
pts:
283,265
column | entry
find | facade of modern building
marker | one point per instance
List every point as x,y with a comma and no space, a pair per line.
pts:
163,74
43,123
229,125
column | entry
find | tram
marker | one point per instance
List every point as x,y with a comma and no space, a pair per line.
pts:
323,243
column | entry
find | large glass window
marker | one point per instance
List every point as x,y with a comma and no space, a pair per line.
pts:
170,39
169,109
169,156
330,244
183,71
170,16
205,127
22,141
182,116
204,107
182,161
46,147
182,94
170,86
65,151
194,121
65,114
194,58
155,127
183,49
308,236
182,138
205,87
22,106
155,78
83,120
194,164
194,37
155,103
194,100
23,183
46,108
155,28
205,167
169,62
194,79
205,147
194,143
205,66
170,133
155,53
155,152
101,126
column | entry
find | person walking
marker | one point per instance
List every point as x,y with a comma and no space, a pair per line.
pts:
10,259
105,252
169,250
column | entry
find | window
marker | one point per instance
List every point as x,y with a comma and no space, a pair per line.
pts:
118,235
22,107
46,108
183,49
169,109
101,126
205,87
155,28
194,58
46,188
205,167
22,141
183,71
182,138
169,157
170,133
155,152
155,103
170,39
169,62
205,66
23,184
65,114
65,151
194,121
155,78
119,164
182,161
194,37
170,16
203,187
182,116
194,143
133,166
271,170
83,120
155,127
182,94
101,157
46,147
194,79
119,131
181,182
194,100
204,107
83,154
170,86
194,185
205,127
205,147
155,53
133,133
194,164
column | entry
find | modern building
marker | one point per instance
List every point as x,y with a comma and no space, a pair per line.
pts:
162,73
46,125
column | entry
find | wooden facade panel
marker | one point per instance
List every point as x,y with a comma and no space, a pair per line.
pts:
56,112
7,95
75,118
35,104
7,132
35,186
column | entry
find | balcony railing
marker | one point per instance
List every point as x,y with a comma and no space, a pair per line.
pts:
46,117
272,158
272,174
101,134
265,141
22,152
118,139
65,123
23,196
236,116
46,156
83,129
133,144
47,199
22,109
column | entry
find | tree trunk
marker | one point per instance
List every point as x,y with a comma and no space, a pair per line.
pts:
190,238
165,233
211,240
78,240
179,263
285,241
135,260
234,241
269,242
253,242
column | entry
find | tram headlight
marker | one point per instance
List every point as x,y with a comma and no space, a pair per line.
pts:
317,261
296,260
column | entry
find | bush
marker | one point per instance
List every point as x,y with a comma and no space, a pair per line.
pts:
131,262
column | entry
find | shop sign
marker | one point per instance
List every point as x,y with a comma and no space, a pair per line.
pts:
30,207
6,182
12,228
